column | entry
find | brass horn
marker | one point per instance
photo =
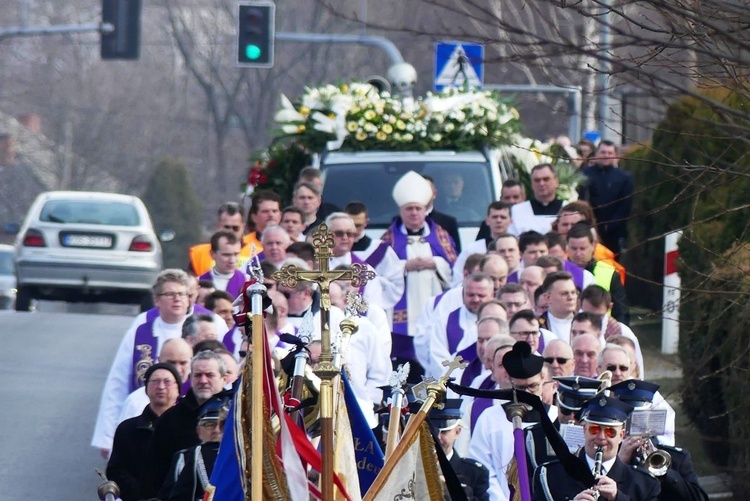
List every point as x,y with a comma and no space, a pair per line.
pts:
656,461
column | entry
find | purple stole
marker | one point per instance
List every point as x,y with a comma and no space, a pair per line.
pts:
441,245
576,271
185,387
229,341
377,255
152,314
235,284
437,300
544,321
144,353
455,334
471,372
481,404
200,309
512,278
540,348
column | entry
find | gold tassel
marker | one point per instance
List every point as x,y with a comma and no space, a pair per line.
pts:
513,480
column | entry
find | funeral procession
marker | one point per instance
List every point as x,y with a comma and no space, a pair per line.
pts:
375,251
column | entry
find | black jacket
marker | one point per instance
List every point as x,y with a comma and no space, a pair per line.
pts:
680,481
551,482
175,430
610,192
129,453
188,485
473,475
449,224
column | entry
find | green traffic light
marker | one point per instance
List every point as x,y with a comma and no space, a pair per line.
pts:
252,52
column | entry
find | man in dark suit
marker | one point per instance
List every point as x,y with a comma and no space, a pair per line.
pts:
474,477
604,418
449,223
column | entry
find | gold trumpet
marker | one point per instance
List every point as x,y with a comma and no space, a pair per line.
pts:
656,461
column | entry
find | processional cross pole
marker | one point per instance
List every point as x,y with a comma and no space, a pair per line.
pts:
289,276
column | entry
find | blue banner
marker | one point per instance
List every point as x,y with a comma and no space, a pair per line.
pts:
226,474
367,450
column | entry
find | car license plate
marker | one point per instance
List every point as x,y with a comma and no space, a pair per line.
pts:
97,241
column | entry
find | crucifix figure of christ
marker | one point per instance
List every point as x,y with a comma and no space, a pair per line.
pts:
289,275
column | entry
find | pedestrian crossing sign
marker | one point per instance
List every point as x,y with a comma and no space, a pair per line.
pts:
458,63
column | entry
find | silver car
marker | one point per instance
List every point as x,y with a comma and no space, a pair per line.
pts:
88,247
7,277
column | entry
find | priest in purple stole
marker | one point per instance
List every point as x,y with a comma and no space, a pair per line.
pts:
453,332
427,254
225,251
139,350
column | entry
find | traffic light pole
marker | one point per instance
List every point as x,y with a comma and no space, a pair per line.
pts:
55,30
383,43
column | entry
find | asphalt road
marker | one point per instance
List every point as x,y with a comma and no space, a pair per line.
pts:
52,368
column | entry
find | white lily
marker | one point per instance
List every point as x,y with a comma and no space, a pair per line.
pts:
288,113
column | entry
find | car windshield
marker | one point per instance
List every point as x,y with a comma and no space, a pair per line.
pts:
464,188
6,263
90,212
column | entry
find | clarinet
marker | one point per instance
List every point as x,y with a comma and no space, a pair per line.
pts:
597,471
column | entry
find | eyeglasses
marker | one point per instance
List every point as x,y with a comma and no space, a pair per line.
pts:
174,295
160,382
531,388
229,227
609,431
209,423
342,234
526,334
613,368
559,360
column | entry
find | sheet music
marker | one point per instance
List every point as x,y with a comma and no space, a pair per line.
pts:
648,422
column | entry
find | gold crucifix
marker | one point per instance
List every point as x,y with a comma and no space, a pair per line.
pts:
288,276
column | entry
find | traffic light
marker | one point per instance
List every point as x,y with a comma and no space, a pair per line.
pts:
121,29
255,34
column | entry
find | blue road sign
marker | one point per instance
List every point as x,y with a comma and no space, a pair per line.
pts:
457,63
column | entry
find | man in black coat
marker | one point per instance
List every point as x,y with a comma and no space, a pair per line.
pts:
176,428
604,418
474,477
611,195
132,437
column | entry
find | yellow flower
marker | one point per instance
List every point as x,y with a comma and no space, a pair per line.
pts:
361,135
304,110
400,125
352,126
344,88
387,128
300,128
369,114
381,136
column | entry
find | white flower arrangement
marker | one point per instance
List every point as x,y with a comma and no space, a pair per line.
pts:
358,117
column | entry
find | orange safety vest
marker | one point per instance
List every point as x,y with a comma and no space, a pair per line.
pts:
604,255
201,260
